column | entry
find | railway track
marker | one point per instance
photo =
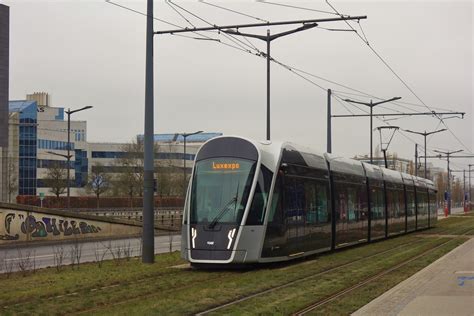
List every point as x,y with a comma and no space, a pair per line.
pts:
302,279
347,290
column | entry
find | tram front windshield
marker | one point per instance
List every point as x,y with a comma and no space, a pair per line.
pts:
220,190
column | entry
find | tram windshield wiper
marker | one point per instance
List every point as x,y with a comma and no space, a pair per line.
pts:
222,212
225,208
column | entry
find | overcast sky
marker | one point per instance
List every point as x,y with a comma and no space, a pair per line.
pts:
93,53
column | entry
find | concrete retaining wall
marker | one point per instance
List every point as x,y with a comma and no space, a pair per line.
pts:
22,223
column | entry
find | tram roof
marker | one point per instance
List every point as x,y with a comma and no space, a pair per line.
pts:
345,165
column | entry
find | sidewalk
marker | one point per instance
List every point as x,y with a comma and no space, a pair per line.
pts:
446,287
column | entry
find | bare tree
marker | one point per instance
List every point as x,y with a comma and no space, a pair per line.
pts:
6,265
76,253
127,251
99,254
56,178
441,183
26,262
457,192
169,176
12,175
129,178
59,256
99,182
130,164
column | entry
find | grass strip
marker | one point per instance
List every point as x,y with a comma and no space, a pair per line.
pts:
293,298
351,302
132,287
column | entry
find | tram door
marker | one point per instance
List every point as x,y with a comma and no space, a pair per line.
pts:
294,201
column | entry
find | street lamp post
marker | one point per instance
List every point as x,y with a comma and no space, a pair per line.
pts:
425,134
371,106
185,135
68,156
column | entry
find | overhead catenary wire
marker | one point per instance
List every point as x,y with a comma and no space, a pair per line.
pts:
233,11
181,27
297,7
400,78
179,13
258,53
230,37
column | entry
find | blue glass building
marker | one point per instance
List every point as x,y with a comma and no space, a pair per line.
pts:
28,118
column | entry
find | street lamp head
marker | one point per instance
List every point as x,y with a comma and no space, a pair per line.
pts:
69,112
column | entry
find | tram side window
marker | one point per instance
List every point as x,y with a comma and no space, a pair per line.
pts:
411,203
351,203
378,203
276,215
260,198
432,197
294,199
316,202
401,203
393,203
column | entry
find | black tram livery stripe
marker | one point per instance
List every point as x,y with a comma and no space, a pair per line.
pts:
228,147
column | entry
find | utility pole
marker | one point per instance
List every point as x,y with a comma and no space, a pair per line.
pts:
470,190
416,159
464,199
234,30
448,155
148,243
371,105
425,134
328,133
268,39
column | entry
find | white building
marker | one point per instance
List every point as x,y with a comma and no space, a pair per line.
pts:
38,140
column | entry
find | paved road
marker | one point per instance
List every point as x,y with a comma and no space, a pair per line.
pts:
11,259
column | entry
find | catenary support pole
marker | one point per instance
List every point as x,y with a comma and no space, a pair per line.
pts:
464,193
329,127
448,155
371,105
148,247
426,171
470,190
68,159
268,84
184,168
425,134
416,159
371,132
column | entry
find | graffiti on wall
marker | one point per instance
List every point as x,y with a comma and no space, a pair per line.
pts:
45,226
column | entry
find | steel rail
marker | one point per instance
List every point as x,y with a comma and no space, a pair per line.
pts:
338,294
245,298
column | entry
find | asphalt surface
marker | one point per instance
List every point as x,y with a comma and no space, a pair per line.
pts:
42,256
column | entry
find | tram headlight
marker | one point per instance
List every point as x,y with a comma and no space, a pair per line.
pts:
230,236
193,236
